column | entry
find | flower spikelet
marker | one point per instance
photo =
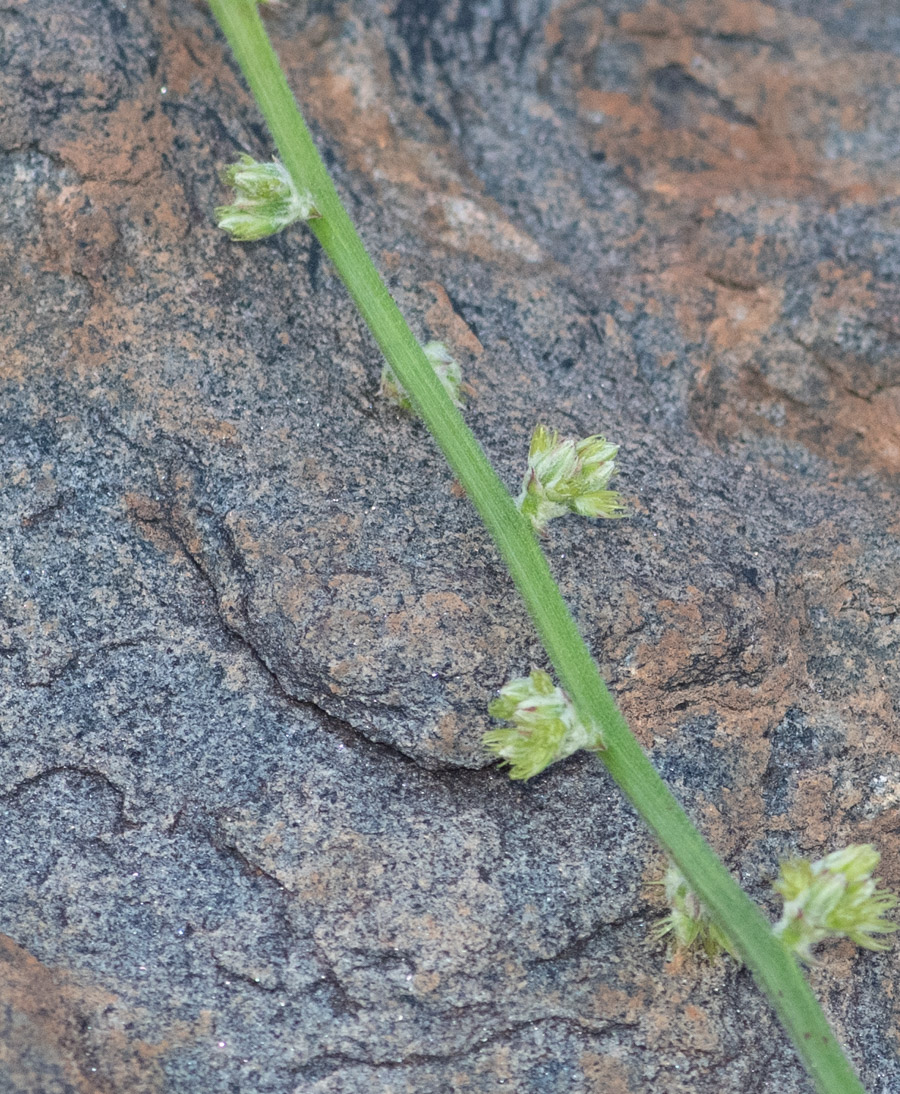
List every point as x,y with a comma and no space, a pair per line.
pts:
446,368
545,727
265,200
835,897
568,475
688,921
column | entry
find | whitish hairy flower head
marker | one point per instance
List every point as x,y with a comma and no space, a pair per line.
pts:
265,200
835,897
568,475
445,366
688,922
545,727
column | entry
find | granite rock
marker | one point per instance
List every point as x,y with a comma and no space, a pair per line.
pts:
249,625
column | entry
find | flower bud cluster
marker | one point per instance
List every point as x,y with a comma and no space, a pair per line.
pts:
688,922
445,366
836,897
545,727
265,200
568,475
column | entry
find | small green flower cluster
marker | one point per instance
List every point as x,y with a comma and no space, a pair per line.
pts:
445,366
545,727
836,897
688,921
568,476
265,200
563,475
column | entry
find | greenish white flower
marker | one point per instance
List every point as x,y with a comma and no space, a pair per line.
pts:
835,897
568,475
265,200
445,366
545,727
688,921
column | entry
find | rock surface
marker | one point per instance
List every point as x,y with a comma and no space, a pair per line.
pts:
248,627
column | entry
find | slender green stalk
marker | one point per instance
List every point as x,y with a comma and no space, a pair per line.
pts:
750,934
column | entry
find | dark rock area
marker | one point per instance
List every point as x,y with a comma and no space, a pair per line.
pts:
249,626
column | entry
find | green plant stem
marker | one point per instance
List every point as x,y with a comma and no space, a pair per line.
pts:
772,965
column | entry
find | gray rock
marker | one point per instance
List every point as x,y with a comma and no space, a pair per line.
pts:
249,626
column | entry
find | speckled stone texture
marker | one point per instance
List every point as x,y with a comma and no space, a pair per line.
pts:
249,626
